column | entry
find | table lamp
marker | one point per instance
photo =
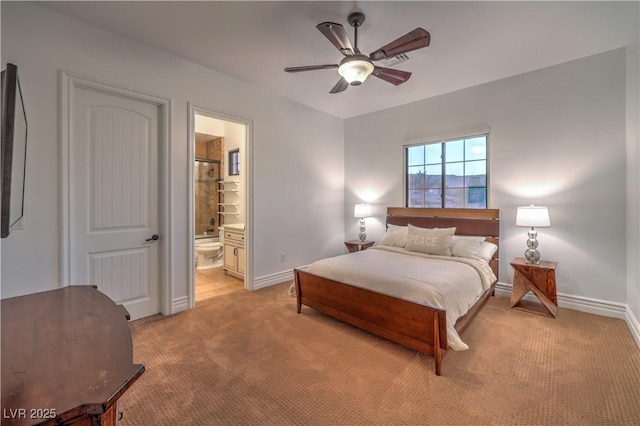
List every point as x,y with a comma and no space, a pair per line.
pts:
362,210
532,217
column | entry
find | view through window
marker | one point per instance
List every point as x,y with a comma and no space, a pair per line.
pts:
450,174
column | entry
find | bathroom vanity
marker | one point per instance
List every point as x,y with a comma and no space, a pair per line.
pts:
234,249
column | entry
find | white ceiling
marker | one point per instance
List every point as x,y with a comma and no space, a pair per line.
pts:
471,42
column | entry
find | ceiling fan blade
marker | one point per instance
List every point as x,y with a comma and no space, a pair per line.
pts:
390,75
413,40
337,36
340,86
311,68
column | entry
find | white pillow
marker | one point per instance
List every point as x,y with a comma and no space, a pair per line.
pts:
395,236
487,251
463,246
430,241
472,247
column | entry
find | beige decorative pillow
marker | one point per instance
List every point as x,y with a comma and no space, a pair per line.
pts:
430,241
395,236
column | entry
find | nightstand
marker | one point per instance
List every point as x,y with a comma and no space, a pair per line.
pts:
541,280
357,245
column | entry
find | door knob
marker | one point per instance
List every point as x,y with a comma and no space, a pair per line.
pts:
154,237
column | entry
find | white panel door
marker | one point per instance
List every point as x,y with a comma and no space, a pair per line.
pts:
114,198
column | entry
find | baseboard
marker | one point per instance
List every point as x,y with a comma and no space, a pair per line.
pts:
589,305
634,325
577,303
180,304
273,279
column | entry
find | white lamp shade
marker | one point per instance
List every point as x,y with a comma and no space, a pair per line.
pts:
362,210
533,216
356,70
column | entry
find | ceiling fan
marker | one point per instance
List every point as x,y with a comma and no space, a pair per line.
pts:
356,67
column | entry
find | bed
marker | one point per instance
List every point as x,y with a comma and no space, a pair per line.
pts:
363,300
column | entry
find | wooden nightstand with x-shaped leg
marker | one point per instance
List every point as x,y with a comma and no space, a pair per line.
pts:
540,279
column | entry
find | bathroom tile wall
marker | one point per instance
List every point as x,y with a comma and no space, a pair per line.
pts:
206,188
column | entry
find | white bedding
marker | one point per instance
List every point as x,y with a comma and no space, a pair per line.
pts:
452,283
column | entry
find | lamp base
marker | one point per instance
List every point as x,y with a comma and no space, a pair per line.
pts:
362,236
532,256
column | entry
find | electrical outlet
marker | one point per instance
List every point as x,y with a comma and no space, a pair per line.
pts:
283,256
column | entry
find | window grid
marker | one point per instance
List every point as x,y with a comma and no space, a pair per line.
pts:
451,173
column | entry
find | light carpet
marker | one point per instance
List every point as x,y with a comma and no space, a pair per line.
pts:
248,358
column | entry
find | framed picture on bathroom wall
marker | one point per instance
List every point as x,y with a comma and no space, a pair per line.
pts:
234,162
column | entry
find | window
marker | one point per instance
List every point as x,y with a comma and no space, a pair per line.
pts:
450,174
234,162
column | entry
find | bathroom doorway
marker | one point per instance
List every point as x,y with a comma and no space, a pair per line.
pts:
218,214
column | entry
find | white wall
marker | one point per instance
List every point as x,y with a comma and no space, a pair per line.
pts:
291,198
557,139
208,125
633,180
234,138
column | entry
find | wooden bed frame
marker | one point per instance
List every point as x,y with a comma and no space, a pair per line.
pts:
417,326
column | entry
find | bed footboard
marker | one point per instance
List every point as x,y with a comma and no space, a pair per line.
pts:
419,327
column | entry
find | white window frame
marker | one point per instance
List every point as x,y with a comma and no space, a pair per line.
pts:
443,140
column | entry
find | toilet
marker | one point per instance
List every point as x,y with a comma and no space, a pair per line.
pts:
208,253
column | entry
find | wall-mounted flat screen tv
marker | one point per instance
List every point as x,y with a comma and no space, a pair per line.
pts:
14,151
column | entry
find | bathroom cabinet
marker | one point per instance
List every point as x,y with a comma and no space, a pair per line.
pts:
234,251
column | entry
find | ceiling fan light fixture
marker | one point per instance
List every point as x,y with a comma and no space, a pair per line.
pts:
355,71
356,67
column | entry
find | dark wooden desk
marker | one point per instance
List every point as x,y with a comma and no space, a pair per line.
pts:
67,357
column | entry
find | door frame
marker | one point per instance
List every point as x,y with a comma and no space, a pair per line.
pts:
192,110
68,82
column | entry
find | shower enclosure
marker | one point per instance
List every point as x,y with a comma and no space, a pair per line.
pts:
207,176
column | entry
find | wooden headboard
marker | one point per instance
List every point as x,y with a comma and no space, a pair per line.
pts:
472,222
